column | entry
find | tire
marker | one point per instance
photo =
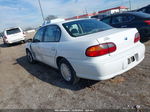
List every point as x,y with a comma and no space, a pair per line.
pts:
7,45
30,57
67,72
23,41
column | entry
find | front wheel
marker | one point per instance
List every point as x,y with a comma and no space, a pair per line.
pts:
67,72
30,57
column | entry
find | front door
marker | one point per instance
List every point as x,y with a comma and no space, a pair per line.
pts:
37,40
48,47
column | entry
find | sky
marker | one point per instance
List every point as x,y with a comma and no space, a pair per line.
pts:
26,13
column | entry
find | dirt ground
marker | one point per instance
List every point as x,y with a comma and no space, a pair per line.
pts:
23,85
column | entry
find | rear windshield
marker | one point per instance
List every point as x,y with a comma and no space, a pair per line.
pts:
85,27
13,31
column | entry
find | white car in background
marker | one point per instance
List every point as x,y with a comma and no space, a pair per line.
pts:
86,48
13,35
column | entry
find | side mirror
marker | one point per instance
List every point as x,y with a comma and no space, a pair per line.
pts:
35,40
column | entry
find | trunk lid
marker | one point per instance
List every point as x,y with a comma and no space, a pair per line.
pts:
122,38
15,36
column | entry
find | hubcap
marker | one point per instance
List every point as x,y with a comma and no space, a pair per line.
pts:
65,71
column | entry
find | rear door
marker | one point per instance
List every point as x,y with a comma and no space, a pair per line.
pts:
37,40
130,21
48,48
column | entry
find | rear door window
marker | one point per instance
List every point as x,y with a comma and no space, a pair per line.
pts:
13,31
119,19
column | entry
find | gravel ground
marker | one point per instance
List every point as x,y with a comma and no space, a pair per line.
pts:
38,86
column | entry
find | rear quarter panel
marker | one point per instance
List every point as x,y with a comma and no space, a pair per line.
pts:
74,49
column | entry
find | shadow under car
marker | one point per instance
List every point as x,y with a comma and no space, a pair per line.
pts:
51,75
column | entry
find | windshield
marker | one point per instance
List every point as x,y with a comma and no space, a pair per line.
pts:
13,31
85,27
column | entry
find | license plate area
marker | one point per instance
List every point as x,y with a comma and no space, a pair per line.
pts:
133,59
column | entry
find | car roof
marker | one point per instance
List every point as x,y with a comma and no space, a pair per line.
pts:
148,6
11,28
66,21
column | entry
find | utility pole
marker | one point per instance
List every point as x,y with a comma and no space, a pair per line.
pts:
86,11
130,4
41,9
122,3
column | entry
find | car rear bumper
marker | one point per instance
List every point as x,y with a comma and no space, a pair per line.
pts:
14,41
98,69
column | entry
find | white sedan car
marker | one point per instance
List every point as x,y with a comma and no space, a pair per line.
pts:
86,48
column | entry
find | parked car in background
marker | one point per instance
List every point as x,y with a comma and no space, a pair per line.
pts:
145,9
53,21
1,35
86,48
99,17
13,35
138,20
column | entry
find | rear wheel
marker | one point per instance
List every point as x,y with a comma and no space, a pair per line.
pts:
67,72
23,41
30,57
7,45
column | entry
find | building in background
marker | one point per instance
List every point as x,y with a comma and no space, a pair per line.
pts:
101,14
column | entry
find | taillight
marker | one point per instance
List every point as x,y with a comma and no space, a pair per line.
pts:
137,37
147,21
101,49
